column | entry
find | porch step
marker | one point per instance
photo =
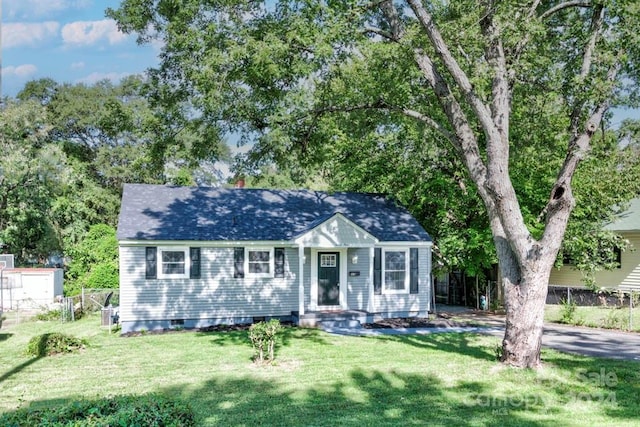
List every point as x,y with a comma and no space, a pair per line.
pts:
343,324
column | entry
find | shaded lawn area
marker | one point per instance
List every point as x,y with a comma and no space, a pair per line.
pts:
320,379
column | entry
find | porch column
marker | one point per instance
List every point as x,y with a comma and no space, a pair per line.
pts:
371,305
300,280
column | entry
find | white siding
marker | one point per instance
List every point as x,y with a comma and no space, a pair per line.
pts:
215,295
410,303
358,286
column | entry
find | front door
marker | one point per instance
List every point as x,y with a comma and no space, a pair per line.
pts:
328,278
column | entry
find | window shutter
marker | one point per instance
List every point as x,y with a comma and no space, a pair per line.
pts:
279,262
238,263
151,259
194,270
413,268
377,271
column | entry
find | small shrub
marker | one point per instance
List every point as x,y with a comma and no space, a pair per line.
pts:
49,315
150,410
263,338
53,343
613,320
567,311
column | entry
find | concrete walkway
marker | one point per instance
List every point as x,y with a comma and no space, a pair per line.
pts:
570,339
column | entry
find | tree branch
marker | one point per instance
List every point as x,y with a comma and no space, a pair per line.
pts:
565,5
459,76
587,58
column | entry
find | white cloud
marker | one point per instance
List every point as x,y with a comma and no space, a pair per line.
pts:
96,77
86,33
29,9
22,71
77,65
28,34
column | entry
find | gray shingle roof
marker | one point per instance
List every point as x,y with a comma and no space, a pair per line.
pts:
159,212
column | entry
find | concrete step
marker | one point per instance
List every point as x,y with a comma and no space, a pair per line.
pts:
348,324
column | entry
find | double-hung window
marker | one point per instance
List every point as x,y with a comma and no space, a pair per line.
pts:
395,270
259,262
173,263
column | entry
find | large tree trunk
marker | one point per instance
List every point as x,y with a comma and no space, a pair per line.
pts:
525,304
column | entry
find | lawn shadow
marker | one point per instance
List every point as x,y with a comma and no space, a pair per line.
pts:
4,337
594,379
19,368
459,343
366,398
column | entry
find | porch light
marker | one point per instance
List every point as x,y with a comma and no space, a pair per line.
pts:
354,259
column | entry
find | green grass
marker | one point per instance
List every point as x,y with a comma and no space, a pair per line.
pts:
597,317
320,379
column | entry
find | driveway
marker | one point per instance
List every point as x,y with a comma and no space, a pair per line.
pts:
570,339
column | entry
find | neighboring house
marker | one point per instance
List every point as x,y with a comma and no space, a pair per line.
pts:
195,257
627,276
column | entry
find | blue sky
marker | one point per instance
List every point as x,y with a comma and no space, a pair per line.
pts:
68,41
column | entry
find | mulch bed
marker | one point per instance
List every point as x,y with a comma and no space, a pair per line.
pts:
414,322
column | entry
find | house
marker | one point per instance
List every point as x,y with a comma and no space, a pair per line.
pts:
627,276
194,257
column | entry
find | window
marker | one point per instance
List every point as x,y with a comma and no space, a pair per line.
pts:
328,260
173,263
259,262
396,271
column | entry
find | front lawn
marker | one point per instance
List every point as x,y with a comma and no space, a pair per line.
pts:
320,379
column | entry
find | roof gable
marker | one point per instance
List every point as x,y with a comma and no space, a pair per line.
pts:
336,231
159,212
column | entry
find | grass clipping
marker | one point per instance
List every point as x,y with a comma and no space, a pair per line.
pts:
54,343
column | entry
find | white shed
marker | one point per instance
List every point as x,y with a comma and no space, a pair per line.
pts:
30,287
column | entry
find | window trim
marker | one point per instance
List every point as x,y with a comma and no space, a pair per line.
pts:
187,262
407,271
269,249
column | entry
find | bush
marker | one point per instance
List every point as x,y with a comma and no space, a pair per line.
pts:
567,311
150,410
263,338
49,315
53,343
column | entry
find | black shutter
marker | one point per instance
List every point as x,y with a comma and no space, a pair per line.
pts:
377,271
279,262
238,263
151,260
413,270
194,270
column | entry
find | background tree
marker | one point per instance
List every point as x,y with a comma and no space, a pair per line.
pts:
303,77
29,181
94,261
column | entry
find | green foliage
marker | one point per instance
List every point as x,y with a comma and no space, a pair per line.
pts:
49,315
614,319
567,311
263,338
147,410
54,343
94,261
